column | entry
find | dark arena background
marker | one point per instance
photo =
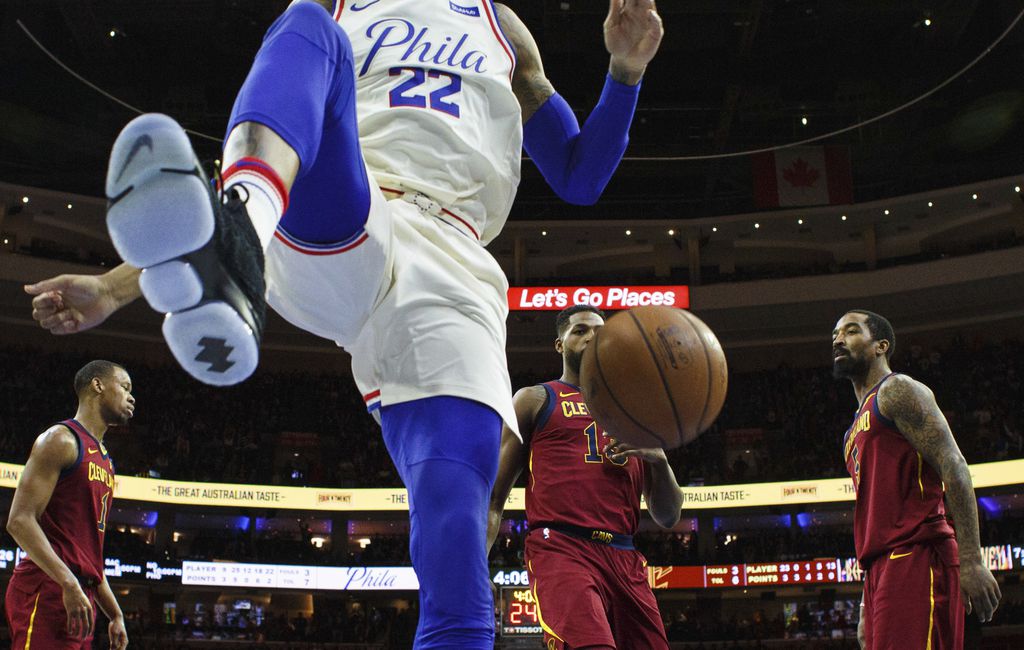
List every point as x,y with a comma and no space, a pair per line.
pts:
270,515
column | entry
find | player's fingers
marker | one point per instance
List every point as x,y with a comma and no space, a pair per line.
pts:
87,623
52,284
38,315
991,602
62,322
48,300
76,629
615,8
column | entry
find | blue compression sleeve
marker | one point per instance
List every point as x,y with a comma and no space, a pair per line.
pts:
577,163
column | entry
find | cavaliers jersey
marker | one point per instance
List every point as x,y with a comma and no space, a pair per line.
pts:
899,496
75,519
571,481
435,105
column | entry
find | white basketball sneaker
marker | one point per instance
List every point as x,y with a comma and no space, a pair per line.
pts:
201,258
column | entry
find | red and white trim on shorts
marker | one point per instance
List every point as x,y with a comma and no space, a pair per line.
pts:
446,216
307,248
339,6
492,18
372,400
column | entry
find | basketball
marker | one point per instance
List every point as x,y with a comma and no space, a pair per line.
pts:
654,377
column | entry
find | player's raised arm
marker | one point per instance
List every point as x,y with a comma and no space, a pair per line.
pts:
578,163
52,452
67,304
912,406
513,454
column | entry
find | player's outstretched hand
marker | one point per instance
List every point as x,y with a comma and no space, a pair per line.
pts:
618,451
79,610
118,635
632,34
71,303
979,589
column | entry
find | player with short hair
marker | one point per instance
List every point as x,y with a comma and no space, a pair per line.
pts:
905,463
59,518
583,506
366,167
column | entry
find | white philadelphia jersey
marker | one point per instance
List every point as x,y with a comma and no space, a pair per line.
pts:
434,98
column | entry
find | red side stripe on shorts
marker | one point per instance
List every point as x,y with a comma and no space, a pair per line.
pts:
339,6
309,251
465,223
462,221
369,397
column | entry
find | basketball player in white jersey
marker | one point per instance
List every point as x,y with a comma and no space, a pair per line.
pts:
366,167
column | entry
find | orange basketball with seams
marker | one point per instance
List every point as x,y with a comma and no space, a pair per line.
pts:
654,377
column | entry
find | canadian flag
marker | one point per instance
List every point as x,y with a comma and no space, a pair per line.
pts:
803,176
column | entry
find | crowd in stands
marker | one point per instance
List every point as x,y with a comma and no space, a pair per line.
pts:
312,429
661,548
330,623
386,627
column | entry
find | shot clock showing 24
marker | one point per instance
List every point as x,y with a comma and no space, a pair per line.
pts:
519,612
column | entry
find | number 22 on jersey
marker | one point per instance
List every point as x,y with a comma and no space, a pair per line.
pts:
410,92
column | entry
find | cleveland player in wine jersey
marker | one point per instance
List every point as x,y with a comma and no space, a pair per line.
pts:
59,518
583,507
919,575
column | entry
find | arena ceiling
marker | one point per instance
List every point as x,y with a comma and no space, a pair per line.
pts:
733,75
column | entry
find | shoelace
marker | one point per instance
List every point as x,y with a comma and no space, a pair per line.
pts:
218,187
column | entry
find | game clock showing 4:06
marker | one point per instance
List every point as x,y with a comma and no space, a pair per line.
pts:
519,612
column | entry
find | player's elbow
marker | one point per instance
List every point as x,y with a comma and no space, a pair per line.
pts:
665,517
16,525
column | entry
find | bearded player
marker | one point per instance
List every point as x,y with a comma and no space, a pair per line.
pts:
59,518
919,574
583,506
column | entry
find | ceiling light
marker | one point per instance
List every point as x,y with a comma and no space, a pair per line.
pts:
974,196
543,233
671,232
844,217
886,211
800,222
24,199
803,120
927,22
70,206
113,33
930,204
714,229
757,225
5,241
1017,189
628,233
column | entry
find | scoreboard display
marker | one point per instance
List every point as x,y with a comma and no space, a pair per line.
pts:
519,612
825,570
